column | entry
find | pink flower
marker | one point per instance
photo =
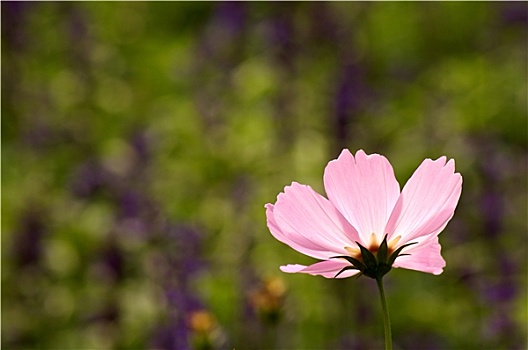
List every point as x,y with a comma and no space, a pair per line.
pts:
367,217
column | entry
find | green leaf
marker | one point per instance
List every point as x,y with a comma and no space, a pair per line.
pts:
397,253
370,260
355,262
345,269
383,251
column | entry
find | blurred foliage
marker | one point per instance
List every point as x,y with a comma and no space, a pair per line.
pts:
141,140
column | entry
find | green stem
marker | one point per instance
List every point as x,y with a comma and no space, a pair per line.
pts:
386,319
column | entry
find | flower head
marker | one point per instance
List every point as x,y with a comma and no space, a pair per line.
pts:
367,225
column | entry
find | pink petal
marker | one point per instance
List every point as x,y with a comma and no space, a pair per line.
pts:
427,201
309,223
328,269
364,189
300,244
424,256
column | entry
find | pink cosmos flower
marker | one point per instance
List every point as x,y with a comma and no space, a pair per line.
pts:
367,225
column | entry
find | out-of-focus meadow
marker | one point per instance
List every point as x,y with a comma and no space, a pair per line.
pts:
140,142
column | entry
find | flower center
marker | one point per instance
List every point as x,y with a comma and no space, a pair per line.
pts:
374,261
374,246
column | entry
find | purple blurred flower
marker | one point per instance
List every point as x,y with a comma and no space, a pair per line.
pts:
186,243
141,145
181,257
39,135
500,323
282,39
222,40
171,337
27,245
14,15
422,340
492,212
88,178
131,204
500,291
515,12
113,260
181,301
348,101
324,29
175,334
231,15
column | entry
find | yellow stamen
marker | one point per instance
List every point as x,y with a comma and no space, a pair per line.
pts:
373,246
354,252
373,242
393,243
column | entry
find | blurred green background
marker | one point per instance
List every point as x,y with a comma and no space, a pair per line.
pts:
140,142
